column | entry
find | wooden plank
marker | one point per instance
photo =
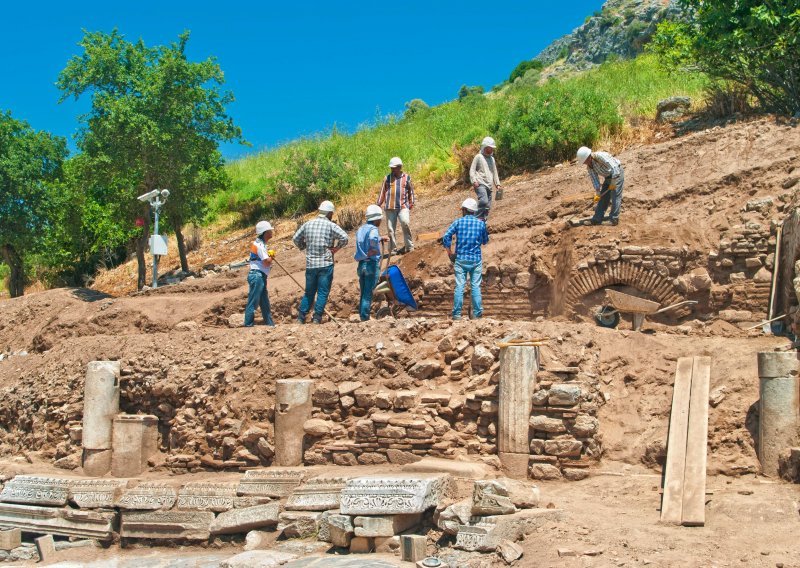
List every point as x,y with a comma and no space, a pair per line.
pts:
694,479
672,501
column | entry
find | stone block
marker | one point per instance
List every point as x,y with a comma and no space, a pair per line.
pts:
406,399
509,551
46,548
412,547
490,497
324,529
148,496
135,441
242,520
523,494
387,544
188,525
96,493
392,494
259,540
545,424
341,530
317,494
299,524
485,534
36,490
545,471
258,559
563,447
278,482
449,518
564,395
202,496
385,525
10,539
52,520
361,545
100,404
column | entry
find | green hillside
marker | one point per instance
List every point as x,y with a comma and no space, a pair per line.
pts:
533,123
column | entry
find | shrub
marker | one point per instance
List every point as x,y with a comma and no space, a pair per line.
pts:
351,218
466,92
549,123
414,106
524,66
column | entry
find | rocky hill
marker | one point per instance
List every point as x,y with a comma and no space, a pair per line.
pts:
621,28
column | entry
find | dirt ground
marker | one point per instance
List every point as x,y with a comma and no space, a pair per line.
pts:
682,192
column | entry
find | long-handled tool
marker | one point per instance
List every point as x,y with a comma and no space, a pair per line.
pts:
289,274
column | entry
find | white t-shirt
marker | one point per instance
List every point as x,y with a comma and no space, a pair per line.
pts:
258,252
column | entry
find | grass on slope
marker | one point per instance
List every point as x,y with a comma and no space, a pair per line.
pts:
292,179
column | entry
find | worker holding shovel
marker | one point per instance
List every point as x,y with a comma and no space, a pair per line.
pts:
368,256
603,164
260,264
320,238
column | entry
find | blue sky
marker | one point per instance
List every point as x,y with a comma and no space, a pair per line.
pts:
295,68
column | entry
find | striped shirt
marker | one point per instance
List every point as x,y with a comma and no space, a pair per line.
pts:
470,234
316,237
604,165
397,193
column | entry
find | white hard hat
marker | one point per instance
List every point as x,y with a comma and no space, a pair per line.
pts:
262,227
583,153
327,207
374,212
470,204
488,141
394,162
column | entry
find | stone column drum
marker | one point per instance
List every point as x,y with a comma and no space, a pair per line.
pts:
518,367
292,409
100,405
135,441
779,407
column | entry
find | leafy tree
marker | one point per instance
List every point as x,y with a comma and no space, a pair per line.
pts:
414,106
520,69
30,164
754,43
156,122
465,92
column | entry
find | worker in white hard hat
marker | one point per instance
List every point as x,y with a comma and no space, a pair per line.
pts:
368,255
260,265
471,235
321,238
484,177
397,197
603,164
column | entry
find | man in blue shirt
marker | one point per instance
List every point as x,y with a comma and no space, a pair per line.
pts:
368,255
471,234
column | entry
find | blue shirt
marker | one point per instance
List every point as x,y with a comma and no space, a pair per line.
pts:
368,242
470,234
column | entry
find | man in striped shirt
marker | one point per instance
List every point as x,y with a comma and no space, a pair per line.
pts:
397,198
320,238
603,164
471,235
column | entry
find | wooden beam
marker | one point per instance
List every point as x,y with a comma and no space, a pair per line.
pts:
672,500
693,512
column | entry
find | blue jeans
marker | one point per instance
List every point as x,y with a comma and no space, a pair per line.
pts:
318,283
607,196
257,296
473,270
367,280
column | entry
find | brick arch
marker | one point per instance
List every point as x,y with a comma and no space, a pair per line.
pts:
587,280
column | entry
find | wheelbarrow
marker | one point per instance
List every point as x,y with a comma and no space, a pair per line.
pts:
393,288
608,315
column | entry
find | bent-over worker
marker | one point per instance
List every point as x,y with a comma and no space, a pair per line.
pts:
260,264
321,238
471,235
603,164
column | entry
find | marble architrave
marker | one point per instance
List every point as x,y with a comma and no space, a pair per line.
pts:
278,482
148,496
200,496
59,521
189,525
96,493
393,494
36,490
317,494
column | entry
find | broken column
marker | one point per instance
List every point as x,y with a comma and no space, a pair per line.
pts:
293,408
779,407
518,366
100,405
135,441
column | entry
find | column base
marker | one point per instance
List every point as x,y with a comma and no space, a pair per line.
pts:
515,465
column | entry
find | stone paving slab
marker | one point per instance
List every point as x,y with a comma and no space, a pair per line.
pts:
330,561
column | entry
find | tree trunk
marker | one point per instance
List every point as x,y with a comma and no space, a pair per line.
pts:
176,226
16,280
141,245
